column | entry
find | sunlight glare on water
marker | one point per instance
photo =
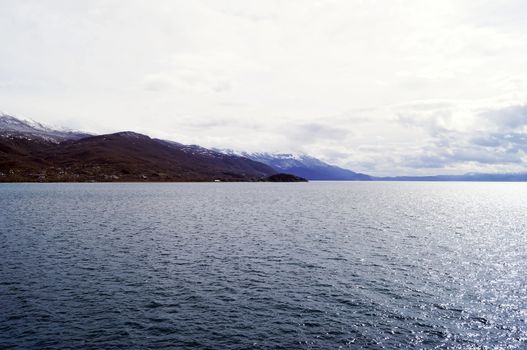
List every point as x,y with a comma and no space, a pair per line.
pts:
264,266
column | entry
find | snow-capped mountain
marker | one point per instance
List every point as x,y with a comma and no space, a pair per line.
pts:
30,151
13,127
197,150
302,165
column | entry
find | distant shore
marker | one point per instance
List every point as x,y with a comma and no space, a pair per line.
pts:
272,178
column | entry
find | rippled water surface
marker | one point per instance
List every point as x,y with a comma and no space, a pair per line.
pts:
264,266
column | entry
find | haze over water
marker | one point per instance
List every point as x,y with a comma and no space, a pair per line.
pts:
264,266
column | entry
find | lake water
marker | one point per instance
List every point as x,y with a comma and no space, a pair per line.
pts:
318,265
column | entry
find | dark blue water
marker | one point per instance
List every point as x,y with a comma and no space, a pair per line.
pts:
264,266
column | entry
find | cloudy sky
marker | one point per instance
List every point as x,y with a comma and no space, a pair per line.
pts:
383,87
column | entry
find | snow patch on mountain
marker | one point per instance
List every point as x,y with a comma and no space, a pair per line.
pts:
29,129
301,165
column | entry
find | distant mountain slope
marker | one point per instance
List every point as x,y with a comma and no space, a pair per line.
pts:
30,151
474,177
243,164
122,156
36,153
13,127
304,166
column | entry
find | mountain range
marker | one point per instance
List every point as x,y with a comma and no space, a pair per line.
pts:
303,165
470,177
30,151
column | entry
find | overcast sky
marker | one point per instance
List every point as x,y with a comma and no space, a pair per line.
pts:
383,87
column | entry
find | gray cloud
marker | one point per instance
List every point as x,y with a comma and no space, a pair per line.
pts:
310,132
455,156
513,142
511,117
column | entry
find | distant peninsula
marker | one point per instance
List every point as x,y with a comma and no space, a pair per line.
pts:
281,177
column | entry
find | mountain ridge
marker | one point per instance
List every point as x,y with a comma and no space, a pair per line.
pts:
14,127
31,151
304,165
35,153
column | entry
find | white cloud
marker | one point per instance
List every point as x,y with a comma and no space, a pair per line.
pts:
383,87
